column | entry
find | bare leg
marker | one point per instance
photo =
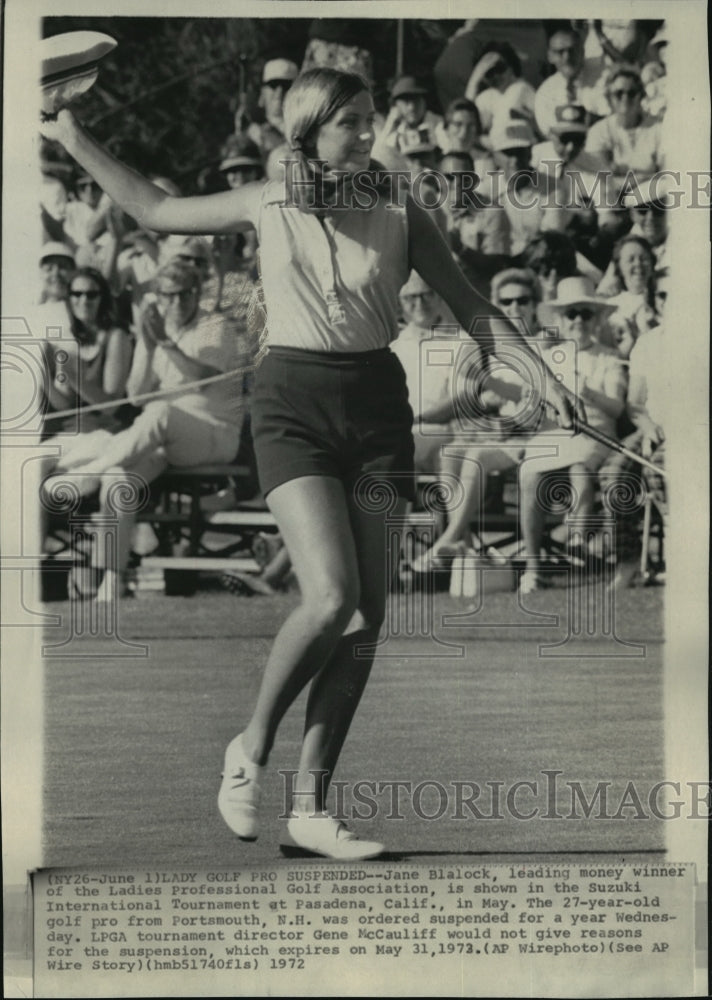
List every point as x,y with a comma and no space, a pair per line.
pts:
314,520
337,688
531,514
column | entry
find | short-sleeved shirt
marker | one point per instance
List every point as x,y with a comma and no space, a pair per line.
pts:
639,149
331,283
647,362
212,340
587,89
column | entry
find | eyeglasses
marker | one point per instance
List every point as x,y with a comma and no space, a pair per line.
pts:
520,300
620,94
575,312
183,296
82,294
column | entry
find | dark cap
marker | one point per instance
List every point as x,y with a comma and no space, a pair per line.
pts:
570,118
407,86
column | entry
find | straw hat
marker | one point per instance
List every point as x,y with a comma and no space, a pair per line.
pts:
579,291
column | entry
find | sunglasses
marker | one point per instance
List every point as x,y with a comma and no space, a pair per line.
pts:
81,294
620,94
575,312
521,300
183,296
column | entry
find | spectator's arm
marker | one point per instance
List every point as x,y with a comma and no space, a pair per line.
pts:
611,399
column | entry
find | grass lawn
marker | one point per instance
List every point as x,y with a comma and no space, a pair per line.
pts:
491,696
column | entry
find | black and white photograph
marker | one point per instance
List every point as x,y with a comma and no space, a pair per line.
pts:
354,622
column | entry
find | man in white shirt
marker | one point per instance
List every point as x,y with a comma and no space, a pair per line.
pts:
577,80
429,349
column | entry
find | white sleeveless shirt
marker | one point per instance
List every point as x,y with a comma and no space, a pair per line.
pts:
332,283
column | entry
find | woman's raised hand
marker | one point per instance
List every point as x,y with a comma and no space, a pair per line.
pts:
58,127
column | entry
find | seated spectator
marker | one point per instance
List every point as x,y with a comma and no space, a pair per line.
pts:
563,152
90,368
514,185
80,224
619,41
342,43
56,263
461,132
500,441
278,75
654,75
497,89
649,390
642,213
629,139
429,378
595,373
409,123
634,275
478,230
53,208
576,80
552,257
466,45
648,206
240,162
566,177
178,344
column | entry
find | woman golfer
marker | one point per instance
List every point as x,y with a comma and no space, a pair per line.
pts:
330,411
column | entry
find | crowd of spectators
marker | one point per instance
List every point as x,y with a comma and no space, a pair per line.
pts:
545,136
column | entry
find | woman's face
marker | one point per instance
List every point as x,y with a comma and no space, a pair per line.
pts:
517,302
85,300
346,139
635,267
500,76
462,130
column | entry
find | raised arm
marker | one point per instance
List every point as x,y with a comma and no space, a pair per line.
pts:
226,212
431,258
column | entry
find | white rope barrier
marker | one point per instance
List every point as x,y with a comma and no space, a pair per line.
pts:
147,397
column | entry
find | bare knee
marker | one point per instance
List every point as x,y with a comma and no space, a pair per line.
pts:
331,604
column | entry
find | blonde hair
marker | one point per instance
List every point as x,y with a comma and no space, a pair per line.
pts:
314,97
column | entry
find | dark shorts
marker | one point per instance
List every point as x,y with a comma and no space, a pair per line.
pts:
328,414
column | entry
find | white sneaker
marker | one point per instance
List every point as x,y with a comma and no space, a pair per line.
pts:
330,838
239,794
